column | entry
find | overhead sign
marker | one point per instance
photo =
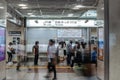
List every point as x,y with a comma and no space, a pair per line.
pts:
60,23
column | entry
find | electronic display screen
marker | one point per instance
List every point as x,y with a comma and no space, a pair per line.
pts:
2,44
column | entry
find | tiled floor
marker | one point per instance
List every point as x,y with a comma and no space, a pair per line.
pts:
38,73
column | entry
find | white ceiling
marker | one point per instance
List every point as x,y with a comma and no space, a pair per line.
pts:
52,8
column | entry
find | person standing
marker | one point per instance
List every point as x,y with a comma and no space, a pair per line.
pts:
36,52
77,54
94,55
62,53
51,53
69,52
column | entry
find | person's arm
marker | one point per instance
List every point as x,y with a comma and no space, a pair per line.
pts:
47,50
33,50
9,48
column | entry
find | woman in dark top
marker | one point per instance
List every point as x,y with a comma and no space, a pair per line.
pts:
36,52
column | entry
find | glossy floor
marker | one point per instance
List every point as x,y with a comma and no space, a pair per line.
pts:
63,73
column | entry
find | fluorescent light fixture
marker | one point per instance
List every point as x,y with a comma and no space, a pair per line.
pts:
102,8
70,15
76,7
1,7
29,13
22,5
79,6
32,16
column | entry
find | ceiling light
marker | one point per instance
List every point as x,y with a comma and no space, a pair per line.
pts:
22,5
32,16
70,15
102,8
1,7
76,7
79,6
29,13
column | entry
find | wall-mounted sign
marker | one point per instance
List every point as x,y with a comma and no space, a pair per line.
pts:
60,23
2,44
14,33
100,23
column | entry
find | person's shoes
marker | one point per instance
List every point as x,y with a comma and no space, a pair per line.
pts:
54,79
35,64
47,76
18,70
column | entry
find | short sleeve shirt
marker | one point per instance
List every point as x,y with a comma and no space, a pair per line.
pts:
51,51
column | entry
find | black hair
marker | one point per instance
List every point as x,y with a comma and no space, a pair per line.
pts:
78,46
71,41
94,48
36,42
10,43
51,40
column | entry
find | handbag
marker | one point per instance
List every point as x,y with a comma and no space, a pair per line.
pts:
13,51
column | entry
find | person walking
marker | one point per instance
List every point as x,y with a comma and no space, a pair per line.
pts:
77,58
9,52
36,52
20,55
51,53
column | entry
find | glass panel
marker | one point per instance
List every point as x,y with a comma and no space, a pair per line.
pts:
89,14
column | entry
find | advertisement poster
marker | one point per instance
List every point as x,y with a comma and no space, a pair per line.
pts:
101,44
2,44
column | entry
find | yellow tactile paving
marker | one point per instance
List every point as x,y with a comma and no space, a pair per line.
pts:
40,67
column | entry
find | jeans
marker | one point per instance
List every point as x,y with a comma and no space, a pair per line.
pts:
9,56
69,59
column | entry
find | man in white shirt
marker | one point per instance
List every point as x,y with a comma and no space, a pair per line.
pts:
51,53
20,54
